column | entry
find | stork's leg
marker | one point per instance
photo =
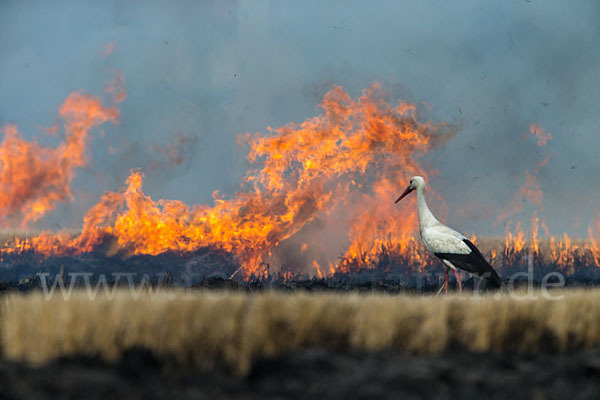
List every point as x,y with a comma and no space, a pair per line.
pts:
456,274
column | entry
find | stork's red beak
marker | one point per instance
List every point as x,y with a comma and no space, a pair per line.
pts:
403,195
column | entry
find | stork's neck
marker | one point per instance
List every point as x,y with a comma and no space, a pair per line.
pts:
426,218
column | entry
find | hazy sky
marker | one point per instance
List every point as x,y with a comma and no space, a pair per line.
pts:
212,70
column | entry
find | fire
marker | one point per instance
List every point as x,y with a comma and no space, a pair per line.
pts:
538,132
529,191
117,88
354,156
594,239
381,226
34,177
317,269
563,253
493,255
355,152
514,242
535,248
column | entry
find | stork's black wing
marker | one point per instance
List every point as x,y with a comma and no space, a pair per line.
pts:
473,262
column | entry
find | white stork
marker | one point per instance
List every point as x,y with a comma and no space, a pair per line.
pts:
450,246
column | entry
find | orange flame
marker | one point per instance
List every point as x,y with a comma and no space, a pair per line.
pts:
34,177
594,239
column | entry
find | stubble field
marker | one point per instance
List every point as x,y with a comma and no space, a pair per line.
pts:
244,345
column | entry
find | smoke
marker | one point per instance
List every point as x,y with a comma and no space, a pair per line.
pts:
213,70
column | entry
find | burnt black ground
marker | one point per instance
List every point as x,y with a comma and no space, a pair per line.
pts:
209,268
315,373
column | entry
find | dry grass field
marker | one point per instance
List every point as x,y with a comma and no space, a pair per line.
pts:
214,330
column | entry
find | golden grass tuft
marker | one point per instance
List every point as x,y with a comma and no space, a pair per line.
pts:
229,330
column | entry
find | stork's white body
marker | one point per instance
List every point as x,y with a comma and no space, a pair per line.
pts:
438,238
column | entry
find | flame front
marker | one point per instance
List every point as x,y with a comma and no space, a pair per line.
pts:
357,153
355,157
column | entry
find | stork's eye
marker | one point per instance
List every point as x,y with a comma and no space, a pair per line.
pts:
411,182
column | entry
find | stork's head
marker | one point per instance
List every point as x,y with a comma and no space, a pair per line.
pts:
416,182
